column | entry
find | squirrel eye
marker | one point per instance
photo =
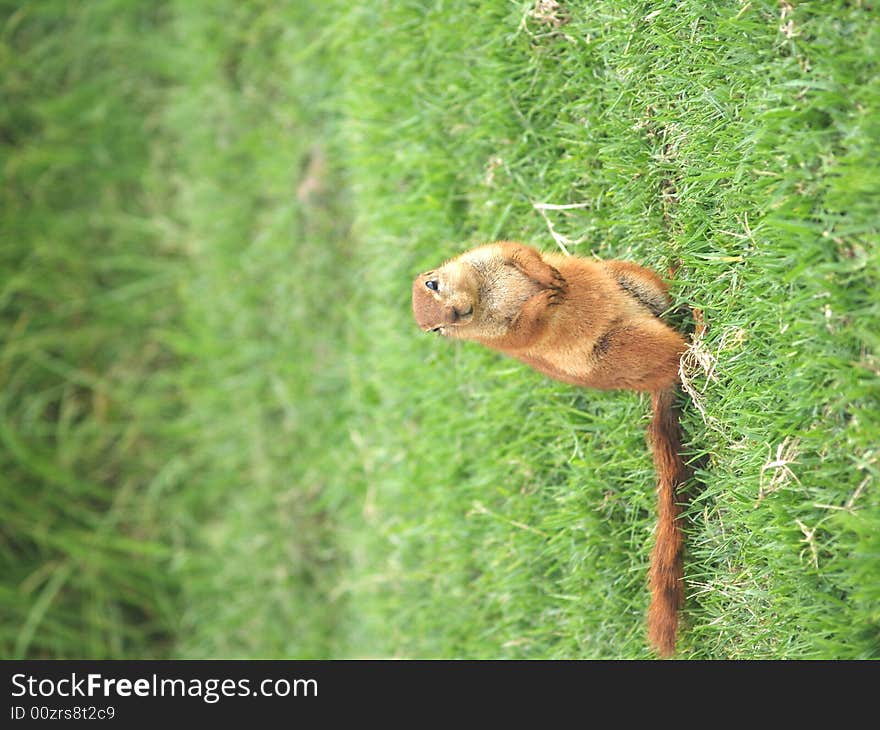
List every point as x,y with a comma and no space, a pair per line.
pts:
432,284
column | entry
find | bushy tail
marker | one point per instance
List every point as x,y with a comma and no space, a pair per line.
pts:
667,591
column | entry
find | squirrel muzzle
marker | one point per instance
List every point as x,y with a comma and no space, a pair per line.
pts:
433,310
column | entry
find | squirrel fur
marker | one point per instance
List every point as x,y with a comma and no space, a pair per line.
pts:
589,323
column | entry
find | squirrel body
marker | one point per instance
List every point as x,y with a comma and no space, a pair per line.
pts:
589,323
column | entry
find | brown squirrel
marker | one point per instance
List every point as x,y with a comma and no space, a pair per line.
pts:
590,323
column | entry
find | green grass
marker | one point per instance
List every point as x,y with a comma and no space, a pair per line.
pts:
223,435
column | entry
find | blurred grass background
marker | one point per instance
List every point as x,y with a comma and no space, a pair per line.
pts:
221,434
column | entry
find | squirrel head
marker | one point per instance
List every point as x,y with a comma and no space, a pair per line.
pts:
445,299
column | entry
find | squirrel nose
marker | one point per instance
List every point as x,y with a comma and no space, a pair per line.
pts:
457,313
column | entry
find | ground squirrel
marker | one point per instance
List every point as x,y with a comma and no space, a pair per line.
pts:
590,323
